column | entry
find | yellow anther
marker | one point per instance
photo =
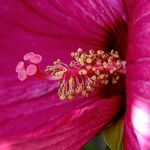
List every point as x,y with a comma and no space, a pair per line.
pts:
100,52
93,69
70,96
101,76
105,65
82,56
76,55
117,78
99,62
62,97
57,62
93,78
79,50
97,72
88,88
57,74
71,81
79,89
88,67
84,93
81,61
82,72
115,55
89,60
91,51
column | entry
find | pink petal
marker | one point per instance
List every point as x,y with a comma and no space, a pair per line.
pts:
31,70
22,75
85,24
36,59
28,56
55,125
31,110
19,66
137,122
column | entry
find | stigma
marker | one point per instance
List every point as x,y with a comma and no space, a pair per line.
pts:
87,71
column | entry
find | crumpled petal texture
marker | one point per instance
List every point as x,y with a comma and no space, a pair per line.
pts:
31,115
137,123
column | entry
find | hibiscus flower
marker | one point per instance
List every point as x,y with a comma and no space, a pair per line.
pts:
32,114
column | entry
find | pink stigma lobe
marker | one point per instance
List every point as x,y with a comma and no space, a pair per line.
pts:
36,58
31,70
19,66
28,56
22,75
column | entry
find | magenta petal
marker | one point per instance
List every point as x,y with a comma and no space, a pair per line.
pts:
31,110
50,28
137,122
43,125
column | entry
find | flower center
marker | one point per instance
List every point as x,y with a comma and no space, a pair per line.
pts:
82,76
87,72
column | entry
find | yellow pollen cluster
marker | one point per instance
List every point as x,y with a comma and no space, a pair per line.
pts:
57,70
87,72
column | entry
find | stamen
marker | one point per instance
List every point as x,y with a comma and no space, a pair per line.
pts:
87,72
82,76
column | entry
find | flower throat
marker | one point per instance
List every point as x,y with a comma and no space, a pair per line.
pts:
82,76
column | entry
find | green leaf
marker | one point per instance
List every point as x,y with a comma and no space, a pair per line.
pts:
114,135
89,147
